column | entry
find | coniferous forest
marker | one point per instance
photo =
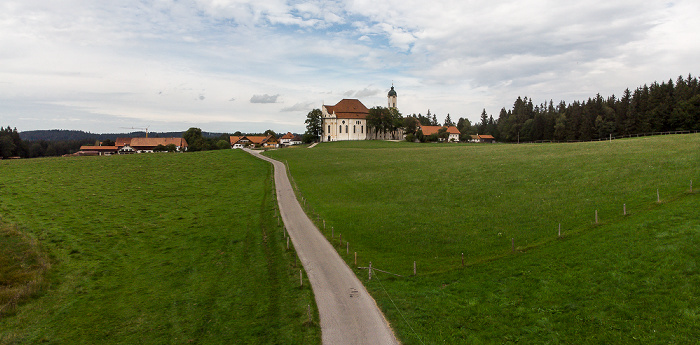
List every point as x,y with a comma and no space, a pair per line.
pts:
669,106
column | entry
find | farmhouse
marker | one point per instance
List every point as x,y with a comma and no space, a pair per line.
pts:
142,145
452,131
290,139
98,150
347,120
255,140
483,138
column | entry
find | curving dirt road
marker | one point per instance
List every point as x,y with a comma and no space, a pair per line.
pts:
349,315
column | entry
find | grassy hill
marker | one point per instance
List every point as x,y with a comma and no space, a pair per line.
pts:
629,278
148,249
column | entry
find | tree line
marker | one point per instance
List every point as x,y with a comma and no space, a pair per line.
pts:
668,106
657,107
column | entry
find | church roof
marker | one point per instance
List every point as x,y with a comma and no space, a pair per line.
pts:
392,92
348,109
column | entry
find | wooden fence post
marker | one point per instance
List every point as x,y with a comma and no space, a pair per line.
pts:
332,232
287,243
355,259
301,279
462,259
347,247
596,216
559,229
370,270
624,209
414,268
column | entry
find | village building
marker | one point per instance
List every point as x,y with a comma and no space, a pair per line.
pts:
266,141
87,150
287,139
482,138
147,145
452,131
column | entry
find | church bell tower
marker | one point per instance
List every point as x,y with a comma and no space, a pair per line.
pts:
392,97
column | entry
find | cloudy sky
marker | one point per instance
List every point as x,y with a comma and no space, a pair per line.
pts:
251,65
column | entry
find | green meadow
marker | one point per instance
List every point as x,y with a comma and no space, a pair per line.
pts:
630,278
147,249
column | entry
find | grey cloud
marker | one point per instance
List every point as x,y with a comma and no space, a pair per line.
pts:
366,92
264,98
299,107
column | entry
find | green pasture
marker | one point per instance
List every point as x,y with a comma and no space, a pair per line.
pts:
627,279
150,249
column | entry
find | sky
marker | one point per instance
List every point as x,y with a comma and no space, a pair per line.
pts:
107,66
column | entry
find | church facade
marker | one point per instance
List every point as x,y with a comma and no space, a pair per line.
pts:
347,120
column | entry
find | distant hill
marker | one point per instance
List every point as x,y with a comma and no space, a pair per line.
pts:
65,135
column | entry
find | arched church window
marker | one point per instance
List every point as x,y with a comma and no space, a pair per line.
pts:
362,129
353,129
346,129
340,129
329,128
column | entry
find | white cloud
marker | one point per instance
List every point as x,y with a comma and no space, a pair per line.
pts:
264,98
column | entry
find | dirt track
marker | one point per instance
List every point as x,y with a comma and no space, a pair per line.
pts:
349,315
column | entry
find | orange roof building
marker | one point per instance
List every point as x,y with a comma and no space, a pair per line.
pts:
452,131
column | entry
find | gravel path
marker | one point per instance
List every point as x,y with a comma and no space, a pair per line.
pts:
349,315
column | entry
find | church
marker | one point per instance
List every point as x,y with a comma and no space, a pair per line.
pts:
347,120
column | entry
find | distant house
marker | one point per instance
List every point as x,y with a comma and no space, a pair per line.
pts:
452,131
297,140
142,145
254,140
148,144
287,139
98,150
238,141
483,138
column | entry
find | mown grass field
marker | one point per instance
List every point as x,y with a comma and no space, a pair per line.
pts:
627,279
153,249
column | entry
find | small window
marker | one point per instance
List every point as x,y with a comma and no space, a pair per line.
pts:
340,129
362,129
346,129
329,129
353,129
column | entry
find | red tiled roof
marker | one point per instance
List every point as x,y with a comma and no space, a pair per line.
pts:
289,135
453,130
122,141
153,142
258,139
234,139
428,130
486,136
348,109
